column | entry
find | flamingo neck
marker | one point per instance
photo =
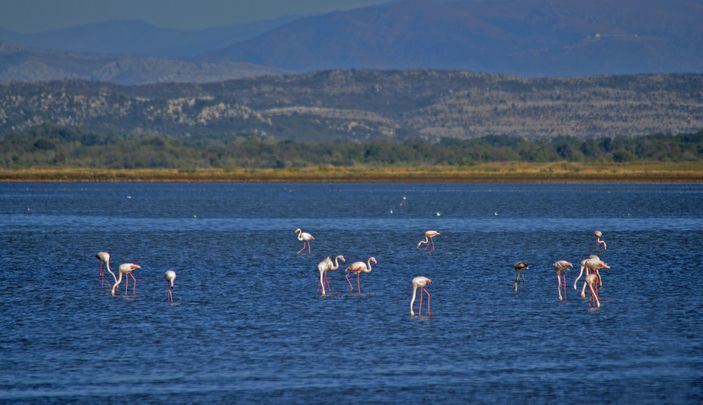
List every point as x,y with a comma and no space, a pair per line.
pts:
107,265
368,266
300,235
117,282
412,301
336,263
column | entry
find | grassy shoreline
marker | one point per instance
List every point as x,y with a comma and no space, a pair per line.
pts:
645,172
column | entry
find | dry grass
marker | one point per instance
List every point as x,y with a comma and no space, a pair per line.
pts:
487,172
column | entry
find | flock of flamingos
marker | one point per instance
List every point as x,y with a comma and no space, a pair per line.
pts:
592,266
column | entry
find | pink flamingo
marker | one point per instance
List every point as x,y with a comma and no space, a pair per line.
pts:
358,268
429,240
592,265
561,267
599,241
305,238
170,276
127,269
327,265
104,258
420,282
593,280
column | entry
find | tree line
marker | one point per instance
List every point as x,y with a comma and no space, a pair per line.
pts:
56,146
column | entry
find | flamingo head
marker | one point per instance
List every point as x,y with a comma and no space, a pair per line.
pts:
521,266
340,257
373,259
298,230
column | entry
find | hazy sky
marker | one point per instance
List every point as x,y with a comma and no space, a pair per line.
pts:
39,15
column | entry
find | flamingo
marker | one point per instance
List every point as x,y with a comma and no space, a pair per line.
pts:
429,236
104,258
599,241
358,268
593,280
126,269
520,268
592,265
326,265
305,237
420,282
170,276
404,201
561,267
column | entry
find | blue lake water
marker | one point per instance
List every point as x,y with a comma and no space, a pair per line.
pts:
248,323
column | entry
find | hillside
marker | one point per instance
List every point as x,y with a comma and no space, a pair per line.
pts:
139,38
362,105
30,64
525,37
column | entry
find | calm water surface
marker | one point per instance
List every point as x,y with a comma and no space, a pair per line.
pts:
248,323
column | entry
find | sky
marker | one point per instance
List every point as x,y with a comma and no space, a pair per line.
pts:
27,16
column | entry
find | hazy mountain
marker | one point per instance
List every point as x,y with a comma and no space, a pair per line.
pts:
360,105
535,37
29,64
141,38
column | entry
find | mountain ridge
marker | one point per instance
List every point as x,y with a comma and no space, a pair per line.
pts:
28,64
528,37
368,104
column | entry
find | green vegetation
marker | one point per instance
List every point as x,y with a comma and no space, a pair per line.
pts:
59,147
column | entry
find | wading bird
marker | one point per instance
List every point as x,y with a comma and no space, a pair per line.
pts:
520,268
104,258
420,282
429,240
327,265
593,280
126,269
599,241
305,238
561,267
170,276
592,265
358,268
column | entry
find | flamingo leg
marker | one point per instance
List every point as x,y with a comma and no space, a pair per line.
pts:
428,300
126,285
328,282
134,289
170,296
358,282
350,284
301,249
594,296
308,246
559,286
102,275
419,312
564,285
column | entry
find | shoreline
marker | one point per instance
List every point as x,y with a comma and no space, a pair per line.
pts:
499,172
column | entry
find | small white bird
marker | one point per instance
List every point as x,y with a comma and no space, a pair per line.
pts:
170,276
